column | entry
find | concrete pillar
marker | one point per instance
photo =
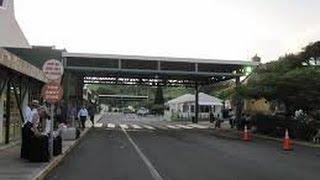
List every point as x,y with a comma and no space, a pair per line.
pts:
66,87
196,108
25,102
2,97
238,103
8,102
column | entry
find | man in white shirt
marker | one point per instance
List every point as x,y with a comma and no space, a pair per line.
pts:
83,115
29,128
27,115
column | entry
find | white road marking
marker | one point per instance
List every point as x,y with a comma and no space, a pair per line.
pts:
124,126
149,127
199,126
172,127
184,126
158,126
155,174
110,125
136,126
98,125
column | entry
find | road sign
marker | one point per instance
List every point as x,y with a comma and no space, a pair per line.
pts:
53,69
52,92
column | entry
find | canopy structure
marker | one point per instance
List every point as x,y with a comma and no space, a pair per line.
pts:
112,69
122,97
204,99
151,70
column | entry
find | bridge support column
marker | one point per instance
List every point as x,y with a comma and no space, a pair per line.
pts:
8,100
79,90
196,107
238,103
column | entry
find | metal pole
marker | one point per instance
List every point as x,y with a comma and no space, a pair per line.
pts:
51,131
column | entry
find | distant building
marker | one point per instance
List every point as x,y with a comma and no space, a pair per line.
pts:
256,58
10,33
183,107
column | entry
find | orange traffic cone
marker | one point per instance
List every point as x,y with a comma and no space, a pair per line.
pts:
286,145
245,136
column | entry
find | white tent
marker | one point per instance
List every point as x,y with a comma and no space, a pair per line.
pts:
204,99
183,106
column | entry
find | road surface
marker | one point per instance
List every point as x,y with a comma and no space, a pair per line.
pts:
183,153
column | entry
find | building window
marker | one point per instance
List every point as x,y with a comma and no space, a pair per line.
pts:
204,109
192,108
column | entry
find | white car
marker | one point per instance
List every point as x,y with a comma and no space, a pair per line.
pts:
142,111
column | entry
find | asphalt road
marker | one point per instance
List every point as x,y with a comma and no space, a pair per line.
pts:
195,154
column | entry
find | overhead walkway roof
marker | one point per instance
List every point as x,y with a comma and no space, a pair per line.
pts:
152,70
122,97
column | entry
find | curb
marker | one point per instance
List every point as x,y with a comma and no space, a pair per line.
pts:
57,160
306,144
2,148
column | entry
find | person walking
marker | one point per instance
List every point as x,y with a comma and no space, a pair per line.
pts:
211,117
73,115
83,115
92,111
218,121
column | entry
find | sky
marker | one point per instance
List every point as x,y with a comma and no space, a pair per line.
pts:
215,29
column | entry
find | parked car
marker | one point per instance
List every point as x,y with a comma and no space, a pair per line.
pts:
142,111
127,111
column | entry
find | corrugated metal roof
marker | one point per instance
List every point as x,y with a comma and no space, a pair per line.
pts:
159,58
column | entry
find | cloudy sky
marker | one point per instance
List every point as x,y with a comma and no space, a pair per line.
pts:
219,29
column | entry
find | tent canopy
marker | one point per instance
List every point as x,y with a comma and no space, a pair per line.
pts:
204,99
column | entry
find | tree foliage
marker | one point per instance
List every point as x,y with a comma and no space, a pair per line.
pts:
293,79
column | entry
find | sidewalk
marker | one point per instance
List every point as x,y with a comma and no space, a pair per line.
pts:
12,167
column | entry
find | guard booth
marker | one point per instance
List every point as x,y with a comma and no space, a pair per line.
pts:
109,69
20,82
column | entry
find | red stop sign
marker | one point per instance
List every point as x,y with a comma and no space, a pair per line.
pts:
52,92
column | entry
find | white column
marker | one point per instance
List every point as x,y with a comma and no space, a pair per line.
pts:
25,101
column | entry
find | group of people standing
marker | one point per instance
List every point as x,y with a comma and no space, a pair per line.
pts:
33,114
215,119
228,115
37,121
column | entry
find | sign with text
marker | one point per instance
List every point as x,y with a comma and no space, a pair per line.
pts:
52,92
53,69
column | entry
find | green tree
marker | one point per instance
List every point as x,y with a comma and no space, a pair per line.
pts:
158,106
293,80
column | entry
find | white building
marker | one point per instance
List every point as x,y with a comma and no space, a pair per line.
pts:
183,107
10,33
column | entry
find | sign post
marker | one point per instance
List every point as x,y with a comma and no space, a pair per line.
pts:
52,92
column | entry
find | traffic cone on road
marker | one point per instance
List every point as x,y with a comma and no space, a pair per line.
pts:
286,142
246,134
